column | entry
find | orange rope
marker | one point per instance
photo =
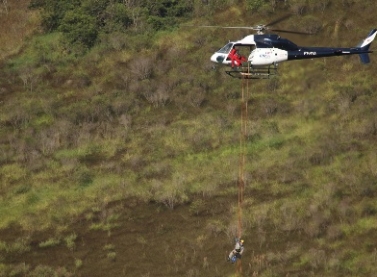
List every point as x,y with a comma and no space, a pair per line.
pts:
241,163
242,160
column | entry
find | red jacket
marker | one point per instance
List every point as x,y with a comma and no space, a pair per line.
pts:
236,58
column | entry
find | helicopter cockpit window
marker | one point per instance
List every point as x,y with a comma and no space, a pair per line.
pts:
226,48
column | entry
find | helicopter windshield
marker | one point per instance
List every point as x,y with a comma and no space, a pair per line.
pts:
226,48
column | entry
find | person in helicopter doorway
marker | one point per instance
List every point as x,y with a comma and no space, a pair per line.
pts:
236,58
237,251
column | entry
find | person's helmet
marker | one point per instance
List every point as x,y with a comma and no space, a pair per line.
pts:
242,241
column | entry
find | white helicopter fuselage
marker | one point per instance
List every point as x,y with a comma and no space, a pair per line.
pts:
257,57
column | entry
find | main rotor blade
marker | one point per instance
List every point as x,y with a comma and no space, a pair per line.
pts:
278,20
222,27
292,32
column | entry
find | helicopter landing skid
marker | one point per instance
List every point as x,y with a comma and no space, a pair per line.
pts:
249,72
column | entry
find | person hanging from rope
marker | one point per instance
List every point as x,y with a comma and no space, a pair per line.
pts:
237,252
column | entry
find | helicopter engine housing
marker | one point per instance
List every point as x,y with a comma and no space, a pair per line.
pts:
267,56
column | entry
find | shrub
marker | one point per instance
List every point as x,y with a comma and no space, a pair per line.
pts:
109,247
43,271
111,256
319,4
78,263
53,11
104,226
19,270
79,28
197,207
20,246
311,24
83,176
163,8
172,193
3,246
49,243
70,241
11,173
254,5
215,227
298,6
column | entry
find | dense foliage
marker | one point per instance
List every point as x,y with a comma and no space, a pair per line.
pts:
82,20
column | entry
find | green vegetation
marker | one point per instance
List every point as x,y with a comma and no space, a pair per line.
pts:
84,22
119,142
49,243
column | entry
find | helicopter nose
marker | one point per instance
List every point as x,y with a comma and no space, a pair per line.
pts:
214,58
218,58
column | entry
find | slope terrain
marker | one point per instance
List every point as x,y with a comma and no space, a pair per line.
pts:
119,142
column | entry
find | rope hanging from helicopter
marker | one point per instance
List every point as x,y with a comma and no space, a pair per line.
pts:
266,52
242,161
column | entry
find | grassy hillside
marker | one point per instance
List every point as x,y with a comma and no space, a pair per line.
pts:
119,155
18,23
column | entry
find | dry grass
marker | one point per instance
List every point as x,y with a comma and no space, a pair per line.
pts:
17,24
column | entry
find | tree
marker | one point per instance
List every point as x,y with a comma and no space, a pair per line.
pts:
53,11
162,14
79,28
254,5
117,18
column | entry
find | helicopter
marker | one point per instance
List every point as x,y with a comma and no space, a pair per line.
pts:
268,50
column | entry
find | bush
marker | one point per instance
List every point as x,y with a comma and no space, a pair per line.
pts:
19,270
254,5
197,207
78,263
49,243
163,8
20,246
109,247
70,241
116,18
111,256
44,271
298,6
53,11
11,173
311,24
79,28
